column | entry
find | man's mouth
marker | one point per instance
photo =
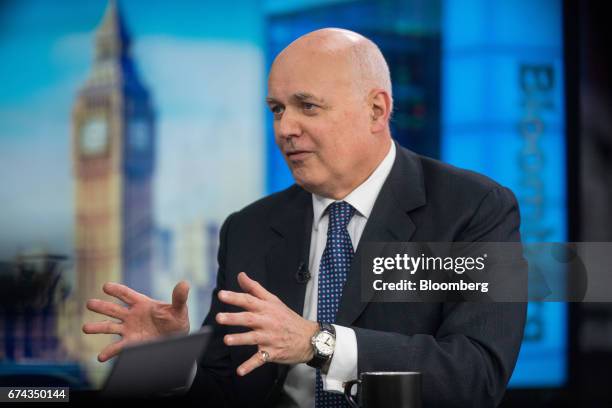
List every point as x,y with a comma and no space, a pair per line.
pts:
297,154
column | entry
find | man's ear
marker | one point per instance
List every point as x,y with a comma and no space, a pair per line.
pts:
380,105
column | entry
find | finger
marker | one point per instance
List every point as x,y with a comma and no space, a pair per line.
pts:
105,327
121,292
111,350
251,364
109,309
243,300
244,339
253,287
246,319
179,295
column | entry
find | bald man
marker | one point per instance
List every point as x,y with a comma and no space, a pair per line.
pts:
289,324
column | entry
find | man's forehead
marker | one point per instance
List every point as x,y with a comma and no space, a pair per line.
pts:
301,82
311,80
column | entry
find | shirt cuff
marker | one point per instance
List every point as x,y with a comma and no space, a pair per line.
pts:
343,366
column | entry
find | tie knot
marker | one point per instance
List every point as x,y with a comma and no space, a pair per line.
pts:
340,213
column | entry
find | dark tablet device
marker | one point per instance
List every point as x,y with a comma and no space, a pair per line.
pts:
158,368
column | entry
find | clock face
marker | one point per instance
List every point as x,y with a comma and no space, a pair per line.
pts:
94,136
138,135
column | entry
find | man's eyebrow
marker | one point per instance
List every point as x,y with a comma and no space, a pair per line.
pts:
304,96
298,96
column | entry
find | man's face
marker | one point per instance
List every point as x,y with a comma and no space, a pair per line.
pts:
321,120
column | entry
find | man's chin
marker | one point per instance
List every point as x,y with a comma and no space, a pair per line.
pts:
302,183
306,183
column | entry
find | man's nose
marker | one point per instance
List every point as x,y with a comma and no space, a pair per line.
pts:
288,126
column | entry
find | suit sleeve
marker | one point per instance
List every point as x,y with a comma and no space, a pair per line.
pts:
212,383
470,359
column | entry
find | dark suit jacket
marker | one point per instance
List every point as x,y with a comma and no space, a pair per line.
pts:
466,351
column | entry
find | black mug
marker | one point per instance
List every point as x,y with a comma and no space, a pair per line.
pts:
386,389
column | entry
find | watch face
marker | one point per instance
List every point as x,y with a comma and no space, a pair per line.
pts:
325,343
94,136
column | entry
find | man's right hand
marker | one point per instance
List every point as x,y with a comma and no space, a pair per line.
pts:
141,319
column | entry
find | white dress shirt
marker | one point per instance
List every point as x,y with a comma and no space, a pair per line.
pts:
299,387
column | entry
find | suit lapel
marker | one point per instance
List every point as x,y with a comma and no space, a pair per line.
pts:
290,248
402,192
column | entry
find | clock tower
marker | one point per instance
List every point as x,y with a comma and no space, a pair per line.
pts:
113,153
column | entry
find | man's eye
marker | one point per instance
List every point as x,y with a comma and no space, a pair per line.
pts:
308,106
277,109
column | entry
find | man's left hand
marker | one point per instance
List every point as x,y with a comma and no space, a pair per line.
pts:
276,329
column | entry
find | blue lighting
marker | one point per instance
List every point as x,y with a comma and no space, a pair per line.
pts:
503,115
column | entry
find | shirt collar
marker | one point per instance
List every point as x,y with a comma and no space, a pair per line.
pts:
364,196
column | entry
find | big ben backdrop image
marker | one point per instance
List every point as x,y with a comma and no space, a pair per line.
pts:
126,140
113,154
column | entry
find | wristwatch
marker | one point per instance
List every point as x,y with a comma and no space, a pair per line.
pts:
323,345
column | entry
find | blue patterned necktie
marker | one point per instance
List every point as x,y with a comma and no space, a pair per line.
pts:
335,264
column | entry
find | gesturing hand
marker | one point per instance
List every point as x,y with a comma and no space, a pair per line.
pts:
276,329
142,319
